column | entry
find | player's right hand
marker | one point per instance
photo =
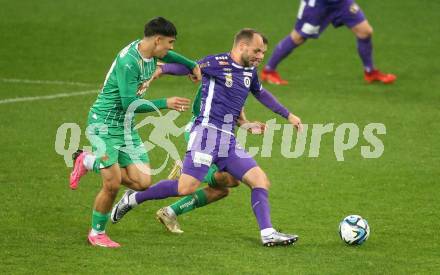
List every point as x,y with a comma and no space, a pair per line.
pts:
180,104
157,73
254,127
196,75
146,84
295,121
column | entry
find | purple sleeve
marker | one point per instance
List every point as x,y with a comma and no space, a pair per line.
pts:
268,100
175,69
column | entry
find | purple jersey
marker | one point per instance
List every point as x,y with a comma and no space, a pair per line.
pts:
225,87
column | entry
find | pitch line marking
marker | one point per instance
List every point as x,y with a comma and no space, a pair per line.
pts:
37,81
47,97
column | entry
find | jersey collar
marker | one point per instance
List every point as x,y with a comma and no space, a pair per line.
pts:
238,66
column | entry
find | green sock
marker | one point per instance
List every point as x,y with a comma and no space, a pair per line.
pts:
209,178
190,202
99,221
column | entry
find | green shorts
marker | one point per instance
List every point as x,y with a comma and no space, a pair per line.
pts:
213,168
114,147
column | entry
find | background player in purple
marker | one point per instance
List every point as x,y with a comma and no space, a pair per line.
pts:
227,80
313,18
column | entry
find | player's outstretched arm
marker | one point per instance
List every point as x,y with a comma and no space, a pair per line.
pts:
173,57
176,69
268,100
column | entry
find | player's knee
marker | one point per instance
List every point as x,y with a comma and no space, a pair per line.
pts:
186,190
256,178
297,38
187,185
369,31
111,187
365,32
265,183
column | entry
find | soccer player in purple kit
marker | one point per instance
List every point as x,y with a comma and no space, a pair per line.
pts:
313,18
227,79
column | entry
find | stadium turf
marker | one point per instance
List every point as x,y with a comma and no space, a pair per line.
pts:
43,224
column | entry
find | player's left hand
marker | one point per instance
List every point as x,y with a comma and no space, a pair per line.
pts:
254,127
295,121
180,104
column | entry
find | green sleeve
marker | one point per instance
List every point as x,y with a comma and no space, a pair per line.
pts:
144,108
197,102
173,57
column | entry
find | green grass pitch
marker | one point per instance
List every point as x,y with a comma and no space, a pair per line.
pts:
43,224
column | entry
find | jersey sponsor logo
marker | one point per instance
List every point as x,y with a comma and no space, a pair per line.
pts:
223,63
202,158
247,82
310,29
227,69
354,8
221,58
204,65
247,74
186,204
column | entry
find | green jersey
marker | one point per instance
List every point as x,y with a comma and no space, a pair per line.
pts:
127,72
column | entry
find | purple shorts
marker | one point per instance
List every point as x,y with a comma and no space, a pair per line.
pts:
207,146
314,16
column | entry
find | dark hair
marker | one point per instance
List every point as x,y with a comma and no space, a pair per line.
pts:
248,34
160,25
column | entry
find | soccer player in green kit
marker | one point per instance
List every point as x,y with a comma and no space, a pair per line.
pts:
218,182
118,152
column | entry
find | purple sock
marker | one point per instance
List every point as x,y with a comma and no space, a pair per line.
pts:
365,50
161,190
283,49
260,206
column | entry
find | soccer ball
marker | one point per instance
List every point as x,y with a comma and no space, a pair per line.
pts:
354,230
